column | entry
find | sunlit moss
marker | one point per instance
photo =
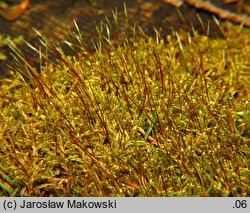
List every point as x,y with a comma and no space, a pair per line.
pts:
76,127
4,41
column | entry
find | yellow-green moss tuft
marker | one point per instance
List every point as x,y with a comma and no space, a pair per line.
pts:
78,127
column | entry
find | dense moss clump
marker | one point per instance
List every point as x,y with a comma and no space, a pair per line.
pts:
139,116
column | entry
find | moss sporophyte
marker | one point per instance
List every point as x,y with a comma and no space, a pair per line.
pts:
137,117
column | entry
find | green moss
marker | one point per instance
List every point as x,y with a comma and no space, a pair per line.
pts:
79,127
4,41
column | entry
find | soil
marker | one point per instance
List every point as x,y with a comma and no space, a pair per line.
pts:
54,19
